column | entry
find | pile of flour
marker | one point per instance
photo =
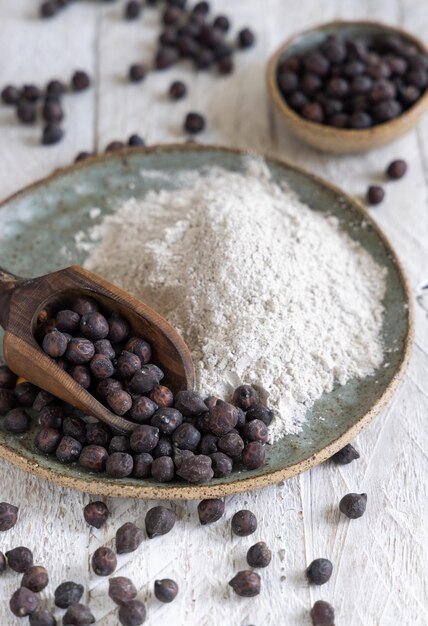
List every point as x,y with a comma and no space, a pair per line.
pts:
263,289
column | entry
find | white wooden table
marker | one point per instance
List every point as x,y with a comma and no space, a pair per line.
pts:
379,561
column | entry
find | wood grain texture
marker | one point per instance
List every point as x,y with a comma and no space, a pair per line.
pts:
379,577
20,304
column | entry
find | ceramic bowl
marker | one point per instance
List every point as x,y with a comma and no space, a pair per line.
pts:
42,229
329,138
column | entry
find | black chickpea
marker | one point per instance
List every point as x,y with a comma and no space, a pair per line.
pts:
210,511
67,594
244,523
121,590
96,514
351,83
19,559
177,436
104,561
128,538
166,590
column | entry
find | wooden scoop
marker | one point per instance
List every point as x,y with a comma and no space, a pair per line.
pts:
22,301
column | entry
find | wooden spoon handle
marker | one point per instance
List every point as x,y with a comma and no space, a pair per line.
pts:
30,362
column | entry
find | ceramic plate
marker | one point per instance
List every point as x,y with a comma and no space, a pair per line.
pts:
38,228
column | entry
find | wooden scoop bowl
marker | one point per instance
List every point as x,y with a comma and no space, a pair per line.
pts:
22,302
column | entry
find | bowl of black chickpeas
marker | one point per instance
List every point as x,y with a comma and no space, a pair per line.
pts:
349,86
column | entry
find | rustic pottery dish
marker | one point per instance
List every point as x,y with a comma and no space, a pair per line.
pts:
329,138
39,228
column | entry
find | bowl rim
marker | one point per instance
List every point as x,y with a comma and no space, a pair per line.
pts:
109,487
350,133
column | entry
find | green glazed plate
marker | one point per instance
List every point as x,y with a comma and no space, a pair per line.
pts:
37,236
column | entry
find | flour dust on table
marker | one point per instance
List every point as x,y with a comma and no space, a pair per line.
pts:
263,289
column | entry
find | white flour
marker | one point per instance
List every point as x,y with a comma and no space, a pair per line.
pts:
263,289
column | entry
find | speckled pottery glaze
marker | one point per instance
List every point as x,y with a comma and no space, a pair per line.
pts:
38,229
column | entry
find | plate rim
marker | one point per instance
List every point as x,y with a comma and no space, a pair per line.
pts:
109,487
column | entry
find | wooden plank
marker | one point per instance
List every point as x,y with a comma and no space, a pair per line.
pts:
374,569
50,519
51,524
38,51
237,114
378,578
